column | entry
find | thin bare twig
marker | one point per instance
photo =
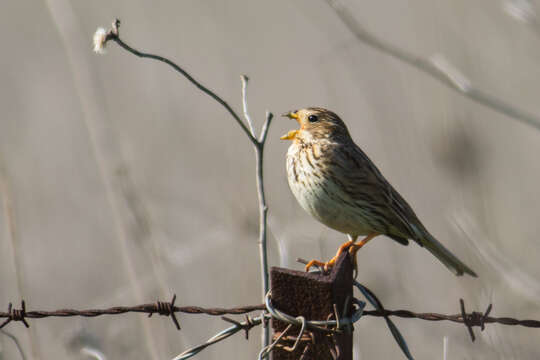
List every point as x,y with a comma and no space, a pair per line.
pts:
431,67
263,208
114,36
245,80
258,144
265,127
263,218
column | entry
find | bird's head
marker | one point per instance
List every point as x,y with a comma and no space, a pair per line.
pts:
316,124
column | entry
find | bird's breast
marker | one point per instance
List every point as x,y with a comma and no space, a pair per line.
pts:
313,182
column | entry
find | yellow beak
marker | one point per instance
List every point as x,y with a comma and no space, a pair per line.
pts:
291,115
291,135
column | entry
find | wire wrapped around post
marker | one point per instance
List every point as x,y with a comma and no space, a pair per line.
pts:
323,299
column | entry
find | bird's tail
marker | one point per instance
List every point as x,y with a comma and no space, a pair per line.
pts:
445,256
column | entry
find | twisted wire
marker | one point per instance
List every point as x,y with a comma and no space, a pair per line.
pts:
161,308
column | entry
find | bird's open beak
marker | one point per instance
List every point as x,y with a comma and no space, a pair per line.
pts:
291,115
291,135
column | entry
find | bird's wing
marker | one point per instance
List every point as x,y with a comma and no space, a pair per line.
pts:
367,187
401,221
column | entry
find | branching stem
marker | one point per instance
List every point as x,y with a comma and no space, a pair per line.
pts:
258,145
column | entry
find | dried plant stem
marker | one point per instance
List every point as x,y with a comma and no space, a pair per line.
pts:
258,145
429,67
245,80
263,208
263,215
201,87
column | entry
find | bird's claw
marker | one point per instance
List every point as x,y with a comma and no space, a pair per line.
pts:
323,265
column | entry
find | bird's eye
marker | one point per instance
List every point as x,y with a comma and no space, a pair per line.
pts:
313,118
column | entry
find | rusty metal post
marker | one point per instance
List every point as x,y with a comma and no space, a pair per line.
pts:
313,296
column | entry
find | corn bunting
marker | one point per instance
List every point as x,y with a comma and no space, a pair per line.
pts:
335,182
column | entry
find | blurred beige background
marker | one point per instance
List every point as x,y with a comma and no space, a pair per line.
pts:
121,183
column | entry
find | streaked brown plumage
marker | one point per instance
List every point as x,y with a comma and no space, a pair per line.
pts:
335,181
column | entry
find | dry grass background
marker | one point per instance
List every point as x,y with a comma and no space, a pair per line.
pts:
121,183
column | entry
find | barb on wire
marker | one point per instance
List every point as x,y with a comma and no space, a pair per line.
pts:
166,309
474,319
246,325
15,315
433,67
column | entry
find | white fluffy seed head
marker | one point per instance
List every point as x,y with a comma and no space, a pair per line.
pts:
100,39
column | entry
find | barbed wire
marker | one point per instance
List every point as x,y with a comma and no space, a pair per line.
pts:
169,309
473,318
159,307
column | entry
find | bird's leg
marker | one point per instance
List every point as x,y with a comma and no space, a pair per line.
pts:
327,265
353,249
314,262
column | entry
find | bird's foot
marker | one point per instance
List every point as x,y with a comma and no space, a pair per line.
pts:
318,263
326,266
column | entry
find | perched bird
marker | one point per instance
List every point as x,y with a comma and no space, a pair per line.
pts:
335,182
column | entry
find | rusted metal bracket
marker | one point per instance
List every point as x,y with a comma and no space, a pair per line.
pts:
315,297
